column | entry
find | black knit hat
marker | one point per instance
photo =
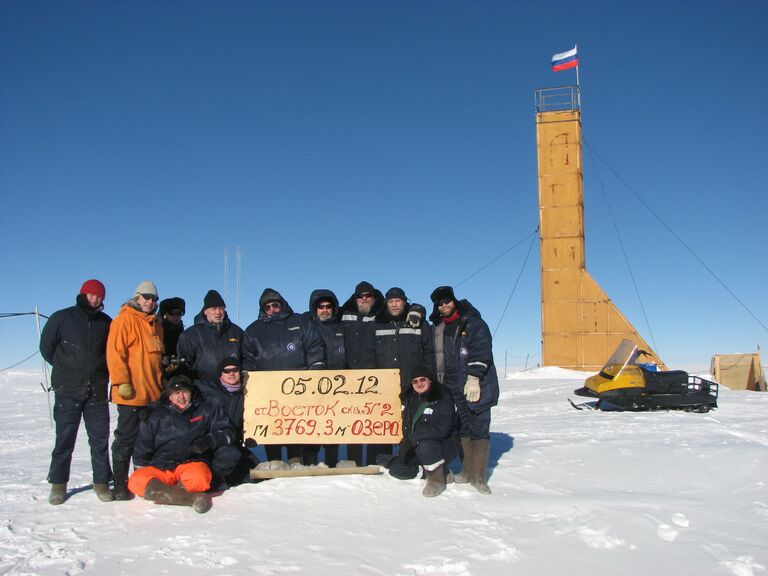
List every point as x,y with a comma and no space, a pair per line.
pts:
396,293
422,370
364,287
442,293
226,362
178,382
269,295
174,303
213,300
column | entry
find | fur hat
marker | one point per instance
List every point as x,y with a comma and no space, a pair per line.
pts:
174,303
422,370
364,287
442,293
213,300
93,286
269,295
228,361
178,382
396,293
145,287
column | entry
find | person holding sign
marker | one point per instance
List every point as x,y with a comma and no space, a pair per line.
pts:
428,417
323,312
358,316
463,349
176,439
281,340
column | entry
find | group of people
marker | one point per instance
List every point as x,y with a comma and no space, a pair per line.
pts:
179,391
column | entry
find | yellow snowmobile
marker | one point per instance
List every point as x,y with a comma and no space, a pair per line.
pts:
625,384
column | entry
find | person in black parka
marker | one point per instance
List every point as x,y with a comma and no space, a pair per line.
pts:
74,342
209,339
281,340
178,436
324,313
464,354
231,464
403,338
357,317
171,311
428,432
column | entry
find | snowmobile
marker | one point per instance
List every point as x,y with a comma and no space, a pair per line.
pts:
623,383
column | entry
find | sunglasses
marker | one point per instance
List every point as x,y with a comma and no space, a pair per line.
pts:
444,302
175,313
364,296
324,306
230,370
152,297
272,306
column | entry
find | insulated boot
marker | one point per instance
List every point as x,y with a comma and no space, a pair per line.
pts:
294,463
435,482
102,491
202,502
479,471
164,494
58,494
120,468
466,461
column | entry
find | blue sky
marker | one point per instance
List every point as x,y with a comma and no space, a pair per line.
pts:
388,141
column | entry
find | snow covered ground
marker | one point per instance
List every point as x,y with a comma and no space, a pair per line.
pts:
574,492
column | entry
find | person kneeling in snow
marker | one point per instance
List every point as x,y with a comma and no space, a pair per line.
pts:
428,418
175,445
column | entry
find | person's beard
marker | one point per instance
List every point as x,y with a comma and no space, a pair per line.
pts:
365,307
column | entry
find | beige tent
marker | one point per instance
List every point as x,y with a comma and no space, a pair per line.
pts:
739,371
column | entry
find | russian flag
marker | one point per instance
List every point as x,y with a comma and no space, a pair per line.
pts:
565,60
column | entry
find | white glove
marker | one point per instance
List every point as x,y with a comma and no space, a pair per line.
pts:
472,389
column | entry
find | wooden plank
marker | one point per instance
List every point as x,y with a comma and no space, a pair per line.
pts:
314,471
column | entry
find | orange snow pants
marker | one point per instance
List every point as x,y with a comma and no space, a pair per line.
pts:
194,476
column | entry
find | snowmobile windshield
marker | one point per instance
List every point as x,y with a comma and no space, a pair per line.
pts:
626,354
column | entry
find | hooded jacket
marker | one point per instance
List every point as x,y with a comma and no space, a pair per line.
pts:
166,435
282,341
329,330
74,342
358,330
134,354
204,344
468,352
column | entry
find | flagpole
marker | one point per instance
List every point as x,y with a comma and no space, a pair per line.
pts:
578,85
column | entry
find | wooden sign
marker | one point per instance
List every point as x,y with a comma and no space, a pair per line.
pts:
323,407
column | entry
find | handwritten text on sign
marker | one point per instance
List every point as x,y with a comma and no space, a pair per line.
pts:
323,407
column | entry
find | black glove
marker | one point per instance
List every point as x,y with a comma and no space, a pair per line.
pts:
202,444
250,443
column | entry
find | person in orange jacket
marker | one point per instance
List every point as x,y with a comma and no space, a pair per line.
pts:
134,358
